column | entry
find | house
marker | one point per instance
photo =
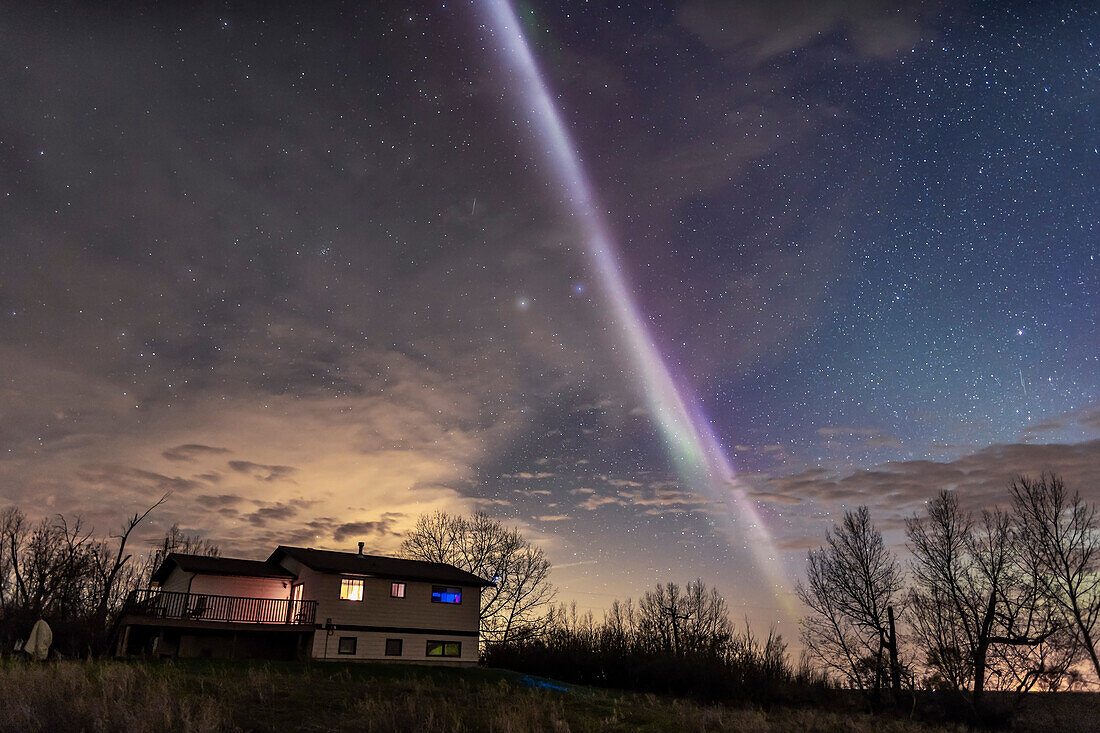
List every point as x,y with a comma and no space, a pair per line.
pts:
304,603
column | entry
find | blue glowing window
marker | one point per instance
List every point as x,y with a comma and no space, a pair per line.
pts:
441,594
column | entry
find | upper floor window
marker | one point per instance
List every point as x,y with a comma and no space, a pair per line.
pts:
443,594
351,589
397,590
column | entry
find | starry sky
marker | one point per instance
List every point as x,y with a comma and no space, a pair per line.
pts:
308,267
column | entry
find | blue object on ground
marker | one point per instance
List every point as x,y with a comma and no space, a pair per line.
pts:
545,684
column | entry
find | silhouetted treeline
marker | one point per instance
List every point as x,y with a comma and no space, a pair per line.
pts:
58,570
675,640
1001,599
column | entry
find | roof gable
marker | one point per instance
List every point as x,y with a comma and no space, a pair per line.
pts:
394,568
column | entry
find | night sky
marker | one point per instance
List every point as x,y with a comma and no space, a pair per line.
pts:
311,268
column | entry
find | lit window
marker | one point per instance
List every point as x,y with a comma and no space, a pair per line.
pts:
397,590
442,594
351,589
444,649
347,644
393,647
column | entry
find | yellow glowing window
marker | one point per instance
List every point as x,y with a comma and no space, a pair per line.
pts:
351,589
444,649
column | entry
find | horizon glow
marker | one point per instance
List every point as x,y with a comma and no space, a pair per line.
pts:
695,449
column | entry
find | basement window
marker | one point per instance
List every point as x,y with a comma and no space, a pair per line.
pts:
393,647
347,644
444,649
351,589
397,590
443,594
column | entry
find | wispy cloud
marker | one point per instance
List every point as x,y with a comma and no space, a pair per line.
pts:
262,472
192,451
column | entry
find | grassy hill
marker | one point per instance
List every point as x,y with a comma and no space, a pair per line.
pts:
203,695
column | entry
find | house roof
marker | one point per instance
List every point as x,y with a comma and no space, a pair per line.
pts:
219,566
383,567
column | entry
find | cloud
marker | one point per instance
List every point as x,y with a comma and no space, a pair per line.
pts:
756,31
385,526
855,436
281,511
595,501
278,512
773,498
981,478
191,451
218,501
112,476
262,472
643,496
1092,419
1083,421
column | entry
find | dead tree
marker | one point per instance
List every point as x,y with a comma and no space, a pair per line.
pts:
852,585
971,579
520,571
108,569
1064,533
685,620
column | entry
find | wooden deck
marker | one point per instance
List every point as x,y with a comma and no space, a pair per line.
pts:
172,608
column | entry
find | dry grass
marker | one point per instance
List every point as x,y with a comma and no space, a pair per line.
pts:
197,696
75,696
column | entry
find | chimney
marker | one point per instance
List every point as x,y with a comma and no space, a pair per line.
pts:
360,548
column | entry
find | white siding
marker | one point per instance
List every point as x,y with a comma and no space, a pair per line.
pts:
237,585
226,585
378,609
371,645
176,581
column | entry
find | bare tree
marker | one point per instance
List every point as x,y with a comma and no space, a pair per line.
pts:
693,619
520,571
978,587
58,571
1064,534
110,566
11,524
175,540
852,586
188,544
45,565
940,638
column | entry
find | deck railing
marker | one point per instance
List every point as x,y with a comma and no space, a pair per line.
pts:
154,603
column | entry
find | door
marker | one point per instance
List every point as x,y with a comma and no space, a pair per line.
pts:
295,606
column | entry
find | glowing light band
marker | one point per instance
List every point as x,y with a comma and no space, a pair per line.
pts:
696,451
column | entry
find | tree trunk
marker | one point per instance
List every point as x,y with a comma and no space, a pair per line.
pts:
895,667
979,670
1091,646
1086,637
